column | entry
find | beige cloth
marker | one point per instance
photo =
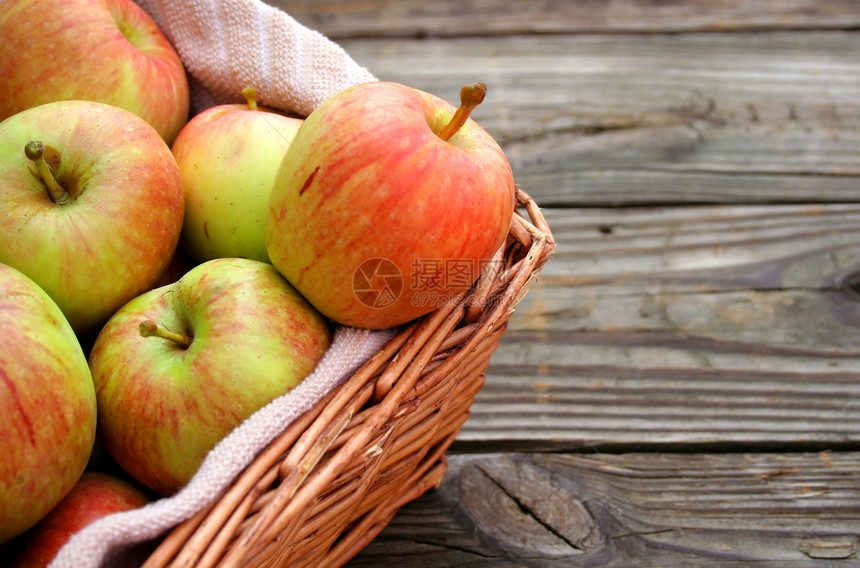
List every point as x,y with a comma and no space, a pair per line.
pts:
227,45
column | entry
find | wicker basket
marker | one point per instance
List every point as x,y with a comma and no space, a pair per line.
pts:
333,480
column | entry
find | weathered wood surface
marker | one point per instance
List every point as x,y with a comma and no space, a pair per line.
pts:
342,19
699,163
642,510
684,326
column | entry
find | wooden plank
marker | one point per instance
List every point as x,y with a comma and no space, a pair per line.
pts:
417,18
641,119
682,327
693,510
658,264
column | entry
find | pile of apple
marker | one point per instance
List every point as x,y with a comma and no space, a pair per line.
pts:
163,276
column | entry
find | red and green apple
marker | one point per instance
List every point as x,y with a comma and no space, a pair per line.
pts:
91,205
47,404
108,51
228,156
178,367
388,189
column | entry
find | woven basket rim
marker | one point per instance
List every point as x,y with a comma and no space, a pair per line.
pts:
328,484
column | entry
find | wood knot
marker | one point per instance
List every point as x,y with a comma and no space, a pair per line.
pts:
835,548
527,510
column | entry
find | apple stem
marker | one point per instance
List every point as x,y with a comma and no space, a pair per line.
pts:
250,94
35,152
149,328
470,97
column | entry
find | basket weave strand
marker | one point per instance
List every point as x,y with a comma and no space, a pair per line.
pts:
325,487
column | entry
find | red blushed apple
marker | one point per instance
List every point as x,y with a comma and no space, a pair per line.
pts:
94,496
388,203
108,51
47,405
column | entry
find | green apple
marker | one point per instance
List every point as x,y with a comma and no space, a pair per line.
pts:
108,51
91,205
47,404
389,203
228,156
177,368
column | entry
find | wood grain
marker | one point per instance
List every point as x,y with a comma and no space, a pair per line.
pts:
385,18
644,510
668,327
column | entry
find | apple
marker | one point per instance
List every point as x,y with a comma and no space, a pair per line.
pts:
178,367
94,496
91,205
108,51
228,156
388,203
47,404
